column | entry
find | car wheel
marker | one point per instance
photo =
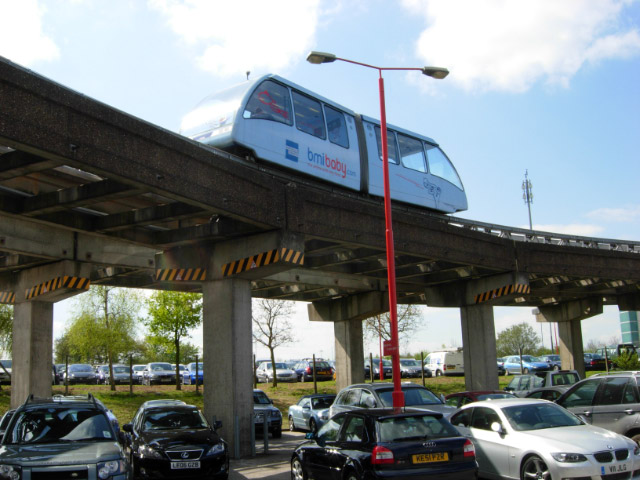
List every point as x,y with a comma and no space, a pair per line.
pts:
297,470
313,426
525,371
534,468
636,438
438,373
352,476
292,426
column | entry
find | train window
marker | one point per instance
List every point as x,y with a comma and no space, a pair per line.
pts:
411,153
392,148
309,116
336,127
440,166
270,101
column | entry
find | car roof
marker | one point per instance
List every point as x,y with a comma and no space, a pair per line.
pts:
87,401
162,402
391,412
318,395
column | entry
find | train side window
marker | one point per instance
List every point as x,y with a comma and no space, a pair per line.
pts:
411,153
392,148
440,166
337,127
309,118
270,101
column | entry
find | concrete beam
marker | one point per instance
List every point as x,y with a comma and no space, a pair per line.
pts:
494,290
349,350
629,302
569,311
479,347
571,350
354,307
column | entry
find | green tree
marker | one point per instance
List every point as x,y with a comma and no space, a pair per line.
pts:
6,331
104,327
520,338
162,349
409,317
172,315
271,326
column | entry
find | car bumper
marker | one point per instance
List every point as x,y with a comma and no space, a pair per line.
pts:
215,467
463,471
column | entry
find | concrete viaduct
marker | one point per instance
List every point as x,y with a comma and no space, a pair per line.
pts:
92,195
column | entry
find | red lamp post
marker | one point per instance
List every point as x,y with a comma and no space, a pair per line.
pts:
393,349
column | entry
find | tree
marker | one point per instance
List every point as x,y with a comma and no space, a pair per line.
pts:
172,315
162,349
271,326
6,331
518,339
105,325
409,317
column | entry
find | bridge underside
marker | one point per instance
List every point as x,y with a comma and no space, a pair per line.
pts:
90,195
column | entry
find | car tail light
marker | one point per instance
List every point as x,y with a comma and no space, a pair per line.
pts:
381,456
308,370
469,449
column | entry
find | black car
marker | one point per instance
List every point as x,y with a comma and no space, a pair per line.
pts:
383,444
4,423
62,437
169,439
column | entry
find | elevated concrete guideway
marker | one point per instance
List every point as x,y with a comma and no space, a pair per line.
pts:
91,195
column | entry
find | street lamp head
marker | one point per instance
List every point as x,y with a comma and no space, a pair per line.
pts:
320,57
435,72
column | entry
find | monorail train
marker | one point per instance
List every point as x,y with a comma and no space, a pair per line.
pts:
285,124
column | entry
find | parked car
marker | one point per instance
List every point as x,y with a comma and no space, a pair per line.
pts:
383,443
501,369
80,373
102,374
304,370
410,368
264,372
5,371
189,375
609,401
310,412
552,360
158,373
378,395
174,440
121,375
521,385
4,422
523,438
446,362
263,408
62,437
387,368
548,393
456,400
530,364
594,361
136,373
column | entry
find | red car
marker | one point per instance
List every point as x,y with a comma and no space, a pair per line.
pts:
462,398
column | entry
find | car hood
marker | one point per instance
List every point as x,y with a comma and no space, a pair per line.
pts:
261,408
162,372
61,453
579,439
536,364
167,439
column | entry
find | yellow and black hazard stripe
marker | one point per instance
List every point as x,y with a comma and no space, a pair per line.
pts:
260,260
502,291
76,283
181,275
7,297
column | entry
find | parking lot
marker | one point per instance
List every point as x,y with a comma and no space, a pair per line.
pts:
273,465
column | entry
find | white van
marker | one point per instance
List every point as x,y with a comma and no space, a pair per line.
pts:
445,362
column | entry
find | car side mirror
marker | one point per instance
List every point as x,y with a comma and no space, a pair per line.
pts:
217,424
127,427
306,407
497,427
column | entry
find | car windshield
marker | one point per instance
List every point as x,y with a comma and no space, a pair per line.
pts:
120,369
539,416
172,419
322,402
138,368
53,425
192,367
530,358
412,396
409,363
414,427
80,368
155,367
260,398
6,363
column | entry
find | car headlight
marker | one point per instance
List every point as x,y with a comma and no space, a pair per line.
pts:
110,468
215,450
569,457
12,472
276,413
148,452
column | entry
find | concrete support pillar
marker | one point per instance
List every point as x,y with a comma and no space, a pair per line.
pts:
349,353
479,342
571,351
32,351
227,344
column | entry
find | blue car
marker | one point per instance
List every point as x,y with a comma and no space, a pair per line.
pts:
530,364
310,412
189,375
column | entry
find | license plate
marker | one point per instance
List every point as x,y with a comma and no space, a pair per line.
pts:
431,457
618,468
183,465
165,379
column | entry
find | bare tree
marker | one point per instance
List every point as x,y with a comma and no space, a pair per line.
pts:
409,317
271,326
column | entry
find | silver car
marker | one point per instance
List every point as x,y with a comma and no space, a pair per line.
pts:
525,438
264,372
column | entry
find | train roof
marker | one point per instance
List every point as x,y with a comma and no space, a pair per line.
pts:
395,128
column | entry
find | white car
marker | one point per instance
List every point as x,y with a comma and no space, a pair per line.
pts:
524,438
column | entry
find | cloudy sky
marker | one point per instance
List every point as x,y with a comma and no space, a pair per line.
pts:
544,86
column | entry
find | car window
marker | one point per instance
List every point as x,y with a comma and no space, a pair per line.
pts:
539,416
581,395
367,400
392,147
304,402
411,153
354,430
412,396
322,402
452,401
337,127
462,418
270,101
260,398
173,419
329,432
613,392
483,418
308,114
352,397
568,378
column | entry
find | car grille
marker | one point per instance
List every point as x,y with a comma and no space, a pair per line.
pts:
617,476
606,457
51,474
184,455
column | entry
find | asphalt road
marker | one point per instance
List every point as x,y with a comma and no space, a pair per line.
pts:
273,465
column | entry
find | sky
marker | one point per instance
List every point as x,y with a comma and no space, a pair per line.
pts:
540,86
